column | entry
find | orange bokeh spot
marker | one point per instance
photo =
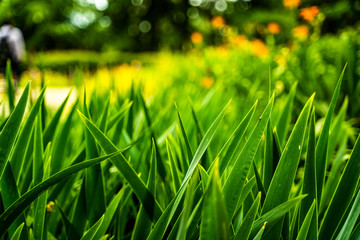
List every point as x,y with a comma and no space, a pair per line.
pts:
218,22
240,41
301,32
207,82
196,38
291,3
309,14
273,28
259,48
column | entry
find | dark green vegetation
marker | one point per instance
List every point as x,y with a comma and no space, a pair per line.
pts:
116,166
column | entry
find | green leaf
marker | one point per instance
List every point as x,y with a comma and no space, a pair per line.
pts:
245,227
141,191
143,223
343,194
18,156
12,212
214,223
323,142
275,214
184,135
260,233
284,175
10,88
10,131
164,221
50,129
109,214
17,233
173,168
309,182
89,235
303,233
283,123
234,184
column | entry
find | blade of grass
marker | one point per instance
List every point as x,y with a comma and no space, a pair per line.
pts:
260,233
214,224
184,135
309,182
343,194
165,219
10,85
173,168
89,235
50,129
142,192
109,213
18,156
284,175
323,142
17,233
275,214
234,184
304,230
245,227
143,223
10,131
12,212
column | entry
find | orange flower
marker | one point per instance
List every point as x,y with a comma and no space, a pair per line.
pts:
273,28
196,38
207,82
291,3
259,48
309,14
240,40
218,22
300,32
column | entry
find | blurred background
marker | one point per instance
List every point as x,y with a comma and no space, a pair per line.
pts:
232,45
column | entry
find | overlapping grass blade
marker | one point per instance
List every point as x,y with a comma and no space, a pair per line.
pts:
343,195
17,233
143,222
184,135
304,230
234,184
173,168
309,182
164,221
10,131
214,224
89,235
142,192
109,213
275,214
245,227
18,156
260,233
351,219
283,122
12,212
323,142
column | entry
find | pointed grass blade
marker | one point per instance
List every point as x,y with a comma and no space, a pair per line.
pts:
10,131
89,235
260,233
304,230
284,175
17,233
10,85
141,191
214,224
234,184
18,156
275,214
143,223
12,212
343,194
164,221
184,135
245,227
323,142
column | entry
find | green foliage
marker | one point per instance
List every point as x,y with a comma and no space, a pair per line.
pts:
210,183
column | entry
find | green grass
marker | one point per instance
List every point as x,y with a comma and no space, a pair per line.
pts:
118,166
